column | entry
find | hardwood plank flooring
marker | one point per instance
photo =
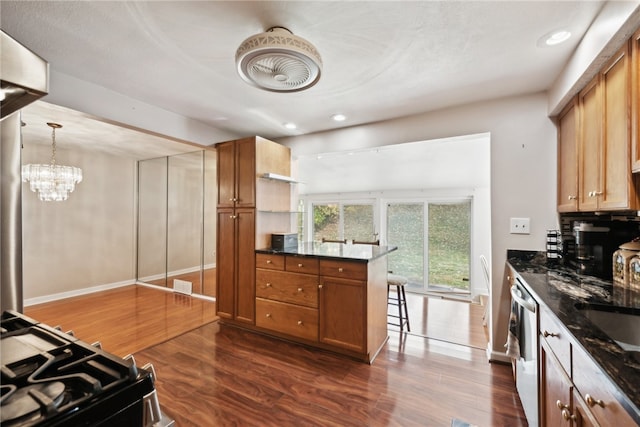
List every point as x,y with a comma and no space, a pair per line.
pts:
212,374
126,319
455,321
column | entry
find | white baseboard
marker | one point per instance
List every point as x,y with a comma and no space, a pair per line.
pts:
69,294
163,288
497,356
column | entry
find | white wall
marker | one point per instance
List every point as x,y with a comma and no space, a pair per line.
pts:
523,171
86,241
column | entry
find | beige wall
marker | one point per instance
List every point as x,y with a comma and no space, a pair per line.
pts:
86,241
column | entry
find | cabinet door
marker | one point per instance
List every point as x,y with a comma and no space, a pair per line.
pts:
590,149
568,131
555,391
245,173
635,101
226,174
342,313
615,169
225,263
582,416
245,265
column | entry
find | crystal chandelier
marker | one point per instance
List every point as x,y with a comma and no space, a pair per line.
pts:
52,182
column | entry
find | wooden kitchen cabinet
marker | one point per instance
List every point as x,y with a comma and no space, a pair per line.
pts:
342,313
635,102
568,132
605,180
235,265
237,173
555,390
240,231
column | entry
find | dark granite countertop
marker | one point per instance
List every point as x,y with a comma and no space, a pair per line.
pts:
338,251
560,288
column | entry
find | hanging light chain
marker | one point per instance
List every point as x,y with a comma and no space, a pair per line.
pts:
53,126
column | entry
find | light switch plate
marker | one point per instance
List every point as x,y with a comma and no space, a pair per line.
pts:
520,226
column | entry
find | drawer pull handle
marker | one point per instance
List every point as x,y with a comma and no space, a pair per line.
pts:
299,289
547,334
300,265
300,322
268,285
593,402
340,270
567,415
269,315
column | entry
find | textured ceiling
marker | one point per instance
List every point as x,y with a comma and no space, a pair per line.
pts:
382,60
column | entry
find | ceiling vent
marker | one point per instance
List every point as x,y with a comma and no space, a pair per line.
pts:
278,61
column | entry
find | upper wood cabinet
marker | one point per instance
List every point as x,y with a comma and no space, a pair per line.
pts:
635,102
568,131
237,173
595,129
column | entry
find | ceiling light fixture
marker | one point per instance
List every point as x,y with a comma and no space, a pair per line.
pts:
278,61
554,38
290,126
52,182
339,117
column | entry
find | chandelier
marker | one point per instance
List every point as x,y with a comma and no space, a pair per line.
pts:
52,182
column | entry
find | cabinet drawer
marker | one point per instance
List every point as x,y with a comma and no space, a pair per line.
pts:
557,337
298,264
301,322
270,261
597,391
295,288
344,269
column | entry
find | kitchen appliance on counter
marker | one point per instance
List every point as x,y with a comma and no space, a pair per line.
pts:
284,241
50,378
622,263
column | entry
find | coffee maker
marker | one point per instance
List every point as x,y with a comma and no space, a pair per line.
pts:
595,244
592,246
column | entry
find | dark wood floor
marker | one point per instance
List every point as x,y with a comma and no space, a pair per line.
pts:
220,375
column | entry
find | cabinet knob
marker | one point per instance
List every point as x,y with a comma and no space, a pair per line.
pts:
593,402
597,193
268,285
233,199
232,216
549,334
567,415
300,322
572,197
300,265
268,314
340,270
319,286
299,289
561,405
269,261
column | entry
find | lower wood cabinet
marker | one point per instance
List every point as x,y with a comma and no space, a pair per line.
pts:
332,304
555,390
342,313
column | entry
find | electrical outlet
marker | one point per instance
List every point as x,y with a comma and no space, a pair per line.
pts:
520,226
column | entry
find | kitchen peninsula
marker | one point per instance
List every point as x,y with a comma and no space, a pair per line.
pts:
331,296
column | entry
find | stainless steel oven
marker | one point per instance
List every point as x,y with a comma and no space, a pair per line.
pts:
527,363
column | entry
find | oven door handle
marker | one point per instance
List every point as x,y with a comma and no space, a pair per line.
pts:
521,301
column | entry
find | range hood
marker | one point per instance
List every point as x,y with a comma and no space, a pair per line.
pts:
24,76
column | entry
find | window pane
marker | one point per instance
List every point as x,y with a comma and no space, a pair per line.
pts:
326,222
358,222
449,244
405,229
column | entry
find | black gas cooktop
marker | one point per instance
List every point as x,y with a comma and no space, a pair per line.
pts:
50,378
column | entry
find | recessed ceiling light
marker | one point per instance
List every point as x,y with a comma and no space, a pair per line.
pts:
554,38
339,117
290,125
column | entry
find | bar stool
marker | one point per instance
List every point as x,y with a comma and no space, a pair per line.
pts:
401,301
